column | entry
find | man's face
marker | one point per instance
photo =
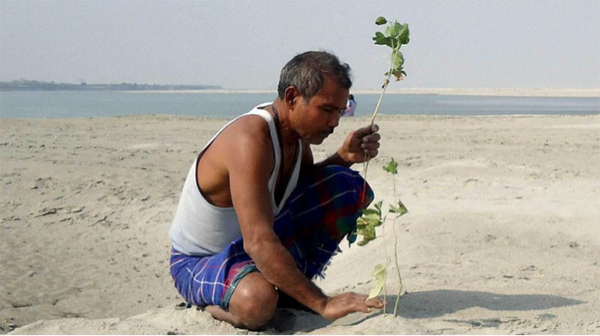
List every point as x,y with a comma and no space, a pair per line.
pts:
316,120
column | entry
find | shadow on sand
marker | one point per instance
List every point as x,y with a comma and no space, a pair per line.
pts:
440,302
427,304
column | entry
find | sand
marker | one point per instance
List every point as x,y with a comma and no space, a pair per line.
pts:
502,237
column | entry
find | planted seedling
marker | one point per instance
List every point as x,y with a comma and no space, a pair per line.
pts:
395,35
366,228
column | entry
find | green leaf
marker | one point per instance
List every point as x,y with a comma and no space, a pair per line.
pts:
400,209
380,21
380,39
372,220
389,31
403,208
391,167
361,223
379,273
368,233
404,37
378,206
370,217
397,60
397,28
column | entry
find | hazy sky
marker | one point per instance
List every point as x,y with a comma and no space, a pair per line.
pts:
244,44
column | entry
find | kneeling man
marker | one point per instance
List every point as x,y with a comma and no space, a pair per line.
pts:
258,218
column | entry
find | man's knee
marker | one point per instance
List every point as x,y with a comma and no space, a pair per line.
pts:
254,301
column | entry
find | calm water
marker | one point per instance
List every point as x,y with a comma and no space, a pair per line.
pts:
64,104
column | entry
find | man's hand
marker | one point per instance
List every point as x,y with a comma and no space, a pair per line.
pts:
360,145
346,303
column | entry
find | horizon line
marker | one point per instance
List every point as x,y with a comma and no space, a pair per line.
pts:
512,92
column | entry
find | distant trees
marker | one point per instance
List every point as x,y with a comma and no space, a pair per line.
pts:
33,85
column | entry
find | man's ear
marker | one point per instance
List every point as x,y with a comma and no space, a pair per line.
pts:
292,96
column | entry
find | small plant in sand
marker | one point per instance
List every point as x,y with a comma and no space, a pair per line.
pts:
366,228
396,35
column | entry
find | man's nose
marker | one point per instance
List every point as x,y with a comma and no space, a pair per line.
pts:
335,120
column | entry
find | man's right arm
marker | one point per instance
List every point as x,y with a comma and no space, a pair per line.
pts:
249,166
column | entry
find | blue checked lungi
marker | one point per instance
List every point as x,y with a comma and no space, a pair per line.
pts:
321,210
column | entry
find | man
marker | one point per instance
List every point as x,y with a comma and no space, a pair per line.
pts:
258,218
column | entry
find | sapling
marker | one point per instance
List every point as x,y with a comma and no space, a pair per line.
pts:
366,227
395,36
399,209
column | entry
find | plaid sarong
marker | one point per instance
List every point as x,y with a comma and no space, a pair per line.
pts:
322,209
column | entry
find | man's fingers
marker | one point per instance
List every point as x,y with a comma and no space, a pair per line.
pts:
374,303
372,153
360,301
375,137
361,132
363,308
370,145
368,303
346,303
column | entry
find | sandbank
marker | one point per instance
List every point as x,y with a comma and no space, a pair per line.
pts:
502,237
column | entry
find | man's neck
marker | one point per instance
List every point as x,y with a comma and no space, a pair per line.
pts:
289,136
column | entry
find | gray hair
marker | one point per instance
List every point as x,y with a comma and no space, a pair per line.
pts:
308,71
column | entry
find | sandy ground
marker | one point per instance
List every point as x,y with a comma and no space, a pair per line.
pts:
503,234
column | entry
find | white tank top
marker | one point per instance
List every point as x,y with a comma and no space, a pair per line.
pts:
201,228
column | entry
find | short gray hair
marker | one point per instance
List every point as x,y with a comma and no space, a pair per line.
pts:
308,71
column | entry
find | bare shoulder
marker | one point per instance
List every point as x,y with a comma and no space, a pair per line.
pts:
250,133
251,125
242,152
247,140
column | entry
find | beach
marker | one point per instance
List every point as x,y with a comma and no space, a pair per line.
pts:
502,234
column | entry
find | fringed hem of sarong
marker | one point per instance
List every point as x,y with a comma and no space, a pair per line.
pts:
321,272
245,270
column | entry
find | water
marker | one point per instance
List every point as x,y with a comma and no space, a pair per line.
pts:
66,104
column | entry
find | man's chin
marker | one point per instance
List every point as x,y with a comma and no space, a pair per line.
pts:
319,140
316,141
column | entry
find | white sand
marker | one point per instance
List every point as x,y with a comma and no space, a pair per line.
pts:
503,234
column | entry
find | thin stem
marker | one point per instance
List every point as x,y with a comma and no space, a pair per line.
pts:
396,252
385,84
387,263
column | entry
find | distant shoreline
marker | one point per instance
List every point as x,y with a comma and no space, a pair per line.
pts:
33,85
572,93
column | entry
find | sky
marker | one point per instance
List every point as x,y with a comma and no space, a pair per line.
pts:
242,44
